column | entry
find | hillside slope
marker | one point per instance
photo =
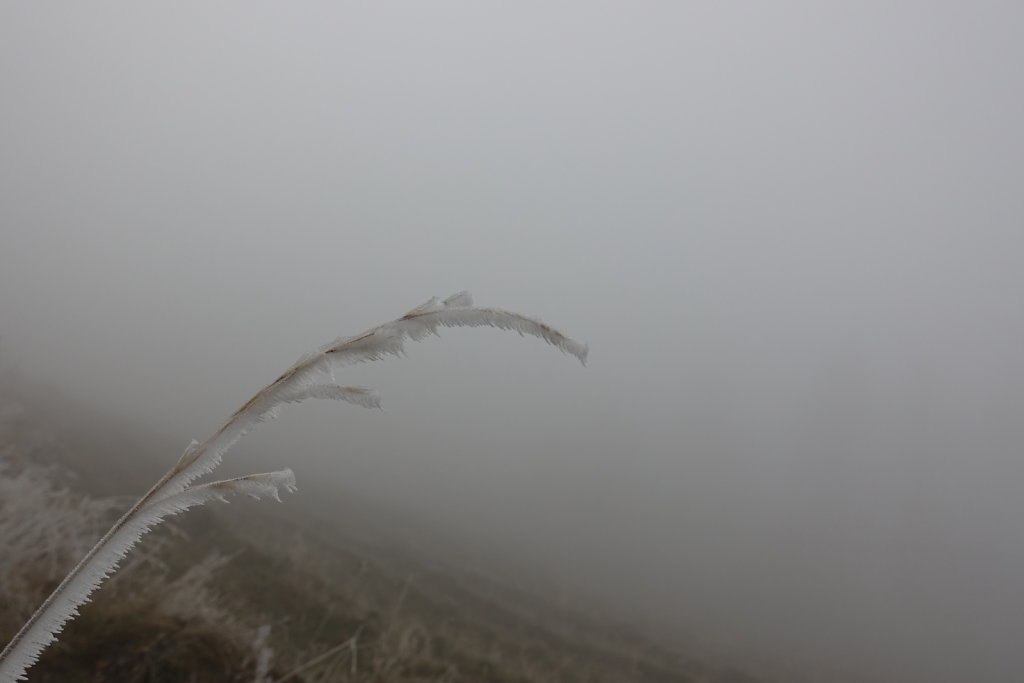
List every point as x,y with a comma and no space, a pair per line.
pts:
248,593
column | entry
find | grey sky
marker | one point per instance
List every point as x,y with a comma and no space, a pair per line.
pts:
791,233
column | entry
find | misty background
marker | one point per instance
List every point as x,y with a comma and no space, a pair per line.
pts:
791,234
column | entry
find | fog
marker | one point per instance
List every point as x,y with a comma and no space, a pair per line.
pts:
790,232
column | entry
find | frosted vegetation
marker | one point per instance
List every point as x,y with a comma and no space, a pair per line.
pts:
44,536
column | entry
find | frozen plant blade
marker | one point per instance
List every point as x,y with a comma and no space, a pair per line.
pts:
428,318
256,486
302,385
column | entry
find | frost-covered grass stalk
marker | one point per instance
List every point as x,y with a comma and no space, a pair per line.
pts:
313,376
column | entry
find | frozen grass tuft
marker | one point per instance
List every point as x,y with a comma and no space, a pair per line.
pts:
312,376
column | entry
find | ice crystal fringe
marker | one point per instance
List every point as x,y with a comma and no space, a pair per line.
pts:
312,376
